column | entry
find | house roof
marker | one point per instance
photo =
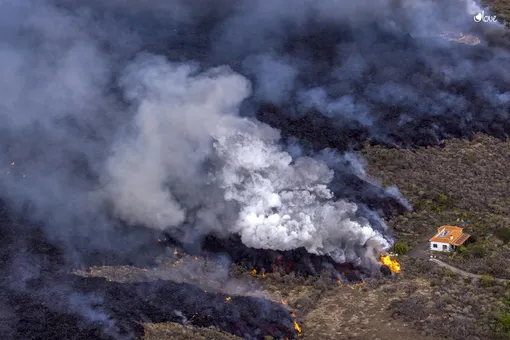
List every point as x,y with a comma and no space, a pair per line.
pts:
461,38
450,234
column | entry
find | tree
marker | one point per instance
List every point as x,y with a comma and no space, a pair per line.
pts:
400,248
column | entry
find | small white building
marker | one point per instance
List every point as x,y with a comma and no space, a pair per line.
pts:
448,238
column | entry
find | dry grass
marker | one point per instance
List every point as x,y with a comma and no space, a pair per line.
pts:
471,174
465,183
501,8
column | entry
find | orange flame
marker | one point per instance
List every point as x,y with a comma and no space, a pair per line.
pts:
193,316
228,299
175,251
254,272
392,264
296,325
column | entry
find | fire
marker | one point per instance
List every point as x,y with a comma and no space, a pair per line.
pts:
228,299
296,325
175,251
254,272
193,316
392,264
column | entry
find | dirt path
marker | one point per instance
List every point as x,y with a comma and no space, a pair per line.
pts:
462,272
421,251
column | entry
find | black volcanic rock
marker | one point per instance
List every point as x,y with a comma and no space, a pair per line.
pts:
74,307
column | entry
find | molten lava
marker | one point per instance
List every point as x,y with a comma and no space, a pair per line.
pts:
392,264
296,325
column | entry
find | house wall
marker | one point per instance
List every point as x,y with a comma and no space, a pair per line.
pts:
439,246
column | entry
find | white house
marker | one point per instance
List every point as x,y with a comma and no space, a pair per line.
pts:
448,238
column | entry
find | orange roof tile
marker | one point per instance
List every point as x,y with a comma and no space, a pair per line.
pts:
450,234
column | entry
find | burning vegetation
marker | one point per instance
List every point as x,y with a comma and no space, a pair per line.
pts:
393,265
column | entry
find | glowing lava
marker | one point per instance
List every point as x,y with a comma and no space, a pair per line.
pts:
392,264
296,325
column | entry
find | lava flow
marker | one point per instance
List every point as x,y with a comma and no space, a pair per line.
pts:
392,264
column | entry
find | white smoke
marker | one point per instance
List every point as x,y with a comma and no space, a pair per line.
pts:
473,7
176,116
184,119
285,203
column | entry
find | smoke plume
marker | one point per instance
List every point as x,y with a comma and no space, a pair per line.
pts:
127,118
184,120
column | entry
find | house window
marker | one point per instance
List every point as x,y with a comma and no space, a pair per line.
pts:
434,245
443,233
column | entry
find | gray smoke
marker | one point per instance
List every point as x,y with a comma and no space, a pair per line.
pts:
168,114
183,119
127,118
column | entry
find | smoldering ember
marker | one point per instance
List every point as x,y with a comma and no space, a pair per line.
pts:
226,132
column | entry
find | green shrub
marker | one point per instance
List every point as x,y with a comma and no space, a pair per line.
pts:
486,280
503,324
442,199
420,204
400,248
463,250
503,234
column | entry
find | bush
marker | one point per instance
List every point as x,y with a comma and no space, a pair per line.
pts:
503,234
400,248
486,280
503,324
442,199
